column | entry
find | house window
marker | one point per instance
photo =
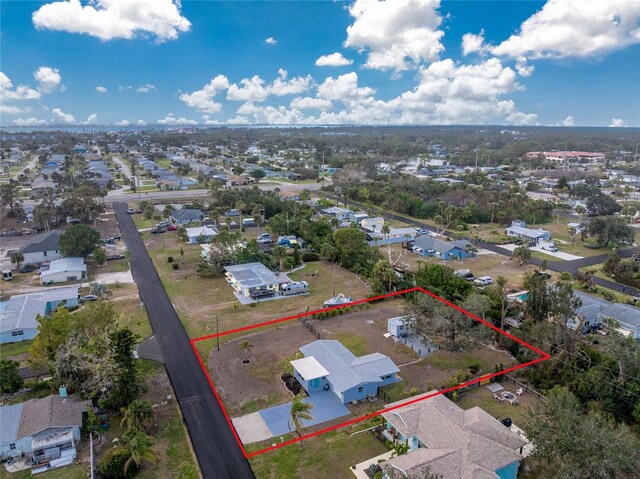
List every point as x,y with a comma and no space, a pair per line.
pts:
360,389
20,332
12,446
44,253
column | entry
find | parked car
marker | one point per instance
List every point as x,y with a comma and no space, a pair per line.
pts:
87,297
27,268
163,224
422,231
157,230
130,211
549,247
483,281
172,228
543,274
464,273
262,293
73,221
264,238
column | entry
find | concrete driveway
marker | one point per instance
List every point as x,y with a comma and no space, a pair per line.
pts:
557,254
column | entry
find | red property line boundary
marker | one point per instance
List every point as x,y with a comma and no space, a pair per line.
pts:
543,357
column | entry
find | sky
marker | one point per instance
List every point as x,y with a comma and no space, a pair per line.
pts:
398,62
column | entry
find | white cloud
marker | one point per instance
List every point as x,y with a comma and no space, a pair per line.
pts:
398,34
343,88
333,60
208,121
101,89
146,88
308,103
575,28
617,123
255,89
29,122
124,87
141,123
252,89
48,79
12,109
282,87
524,69
91,120
122,123
109,19
271,41
568,121
238,120
62,117
472,43
202,100
172,120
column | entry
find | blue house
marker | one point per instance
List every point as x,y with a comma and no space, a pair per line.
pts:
450,441
446,250
518,229
329,366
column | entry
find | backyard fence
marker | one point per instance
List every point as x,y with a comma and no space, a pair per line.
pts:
526,388
305,322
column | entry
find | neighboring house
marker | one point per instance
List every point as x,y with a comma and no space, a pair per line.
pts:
18,315
518,229
45,430
593,312
446,250
64,269
329,366
43,247
186,216
450,441
200,234
250,277
373,230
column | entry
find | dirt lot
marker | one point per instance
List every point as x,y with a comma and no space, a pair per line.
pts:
246,388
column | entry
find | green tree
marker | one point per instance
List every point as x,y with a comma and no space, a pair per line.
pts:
300,411
246,347
127,384
572,444
79,240
100,255
257,174
10,380
602,205
52,333
351,246
279,253
137,415
140,447
537,304
522,254
17,259
440,279
112,464
383,278
9,194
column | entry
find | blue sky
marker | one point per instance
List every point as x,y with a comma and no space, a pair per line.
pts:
565,62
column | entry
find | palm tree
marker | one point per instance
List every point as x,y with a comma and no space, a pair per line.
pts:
581,211
246,347
279,253
17,259
138,414
139,446
300,411
385,231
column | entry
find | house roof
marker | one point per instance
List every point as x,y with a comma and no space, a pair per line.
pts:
309,368
431,243
63,265
10,420
528,232
345,369
594,308
52,411
252,275
201,230
458,443
54,294
49,241
21,313
187,214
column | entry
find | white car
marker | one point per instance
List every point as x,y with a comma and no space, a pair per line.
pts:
483,281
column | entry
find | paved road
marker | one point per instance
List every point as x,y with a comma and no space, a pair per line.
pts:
558,266
218,453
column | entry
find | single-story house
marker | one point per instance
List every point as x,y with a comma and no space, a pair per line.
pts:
64,269
43,247
518,229
447,250
250,277
200,234
330,366
46,429
186,216
338,212
18,315
593,312
450,441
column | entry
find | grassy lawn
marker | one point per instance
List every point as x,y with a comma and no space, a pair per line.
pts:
115,266
483,398
358,345
74,471
13,349
141,223
323,456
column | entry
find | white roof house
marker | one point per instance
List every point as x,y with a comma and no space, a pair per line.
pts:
64,269
309,368
196,232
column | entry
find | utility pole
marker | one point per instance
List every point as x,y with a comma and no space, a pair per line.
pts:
217,334
323,172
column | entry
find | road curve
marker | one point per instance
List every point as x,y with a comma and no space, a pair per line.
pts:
216,449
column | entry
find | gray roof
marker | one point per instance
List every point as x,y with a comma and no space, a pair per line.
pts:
253,275
21,313
52,411
49,241
528,232
596,309
457,444
10,420
64,265
431,243
187,215
345,369
53,294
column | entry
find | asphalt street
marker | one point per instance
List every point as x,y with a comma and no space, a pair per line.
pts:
558,266
216,449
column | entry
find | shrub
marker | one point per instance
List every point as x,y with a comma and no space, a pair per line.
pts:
175,265
474,367
565,276
112,465
308,256
170,259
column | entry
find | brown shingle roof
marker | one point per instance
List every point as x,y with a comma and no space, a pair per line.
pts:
52,411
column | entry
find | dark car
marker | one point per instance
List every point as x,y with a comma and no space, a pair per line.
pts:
27,268
156,231
172,228
263,293
543,274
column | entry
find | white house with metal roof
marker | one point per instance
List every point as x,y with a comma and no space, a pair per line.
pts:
64,269
329,366
518,229
250,277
